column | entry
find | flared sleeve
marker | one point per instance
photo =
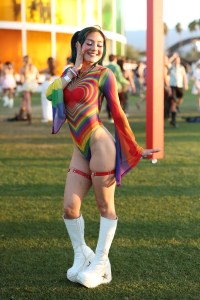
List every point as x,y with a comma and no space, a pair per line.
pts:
128,152
54,93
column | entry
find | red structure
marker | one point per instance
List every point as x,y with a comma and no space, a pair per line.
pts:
155,82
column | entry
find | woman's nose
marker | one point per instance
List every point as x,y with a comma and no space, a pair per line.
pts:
94,46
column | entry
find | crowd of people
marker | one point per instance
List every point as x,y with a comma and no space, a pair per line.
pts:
26,83
130,77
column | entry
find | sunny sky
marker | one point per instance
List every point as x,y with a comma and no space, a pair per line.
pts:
174,11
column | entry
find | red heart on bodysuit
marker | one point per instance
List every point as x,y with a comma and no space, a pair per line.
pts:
72,97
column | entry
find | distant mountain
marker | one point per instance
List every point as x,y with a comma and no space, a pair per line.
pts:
138,38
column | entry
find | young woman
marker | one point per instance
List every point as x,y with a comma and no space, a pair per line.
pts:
29,77
8,84
50,75
98,159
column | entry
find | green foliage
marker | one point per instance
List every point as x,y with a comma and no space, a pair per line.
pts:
192,26
165,28
155,254
178,28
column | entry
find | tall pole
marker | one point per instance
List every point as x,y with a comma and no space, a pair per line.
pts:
155,77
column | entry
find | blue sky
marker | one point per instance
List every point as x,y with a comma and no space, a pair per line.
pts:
174,11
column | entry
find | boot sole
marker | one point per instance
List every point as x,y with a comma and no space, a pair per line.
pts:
88,284
88,261
104,279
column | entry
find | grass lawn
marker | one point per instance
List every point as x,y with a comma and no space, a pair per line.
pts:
156,250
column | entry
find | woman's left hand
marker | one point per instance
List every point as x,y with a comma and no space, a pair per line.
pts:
79,57
149,152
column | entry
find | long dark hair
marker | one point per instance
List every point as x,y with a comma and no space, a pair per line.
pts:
80,36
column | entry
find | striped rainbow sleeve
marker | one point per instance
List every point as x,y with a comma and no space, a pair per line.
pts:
127,150
54,93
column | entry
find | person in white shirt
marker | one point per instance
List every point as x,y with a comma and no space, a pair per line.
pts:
178,82
196,87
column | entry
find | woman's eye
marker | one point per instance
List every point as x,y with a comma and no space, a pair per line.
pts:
89,44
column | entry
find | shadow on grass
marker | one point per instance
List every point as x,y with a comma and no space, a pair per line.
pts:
157,191
135,230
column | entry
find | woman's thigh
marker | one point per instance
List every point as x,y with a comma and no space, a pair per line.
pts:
76,186
103,151
103,160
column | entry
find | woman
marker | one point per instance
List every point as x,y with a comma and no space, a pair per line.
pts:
50,75
97,160
8,84
29,76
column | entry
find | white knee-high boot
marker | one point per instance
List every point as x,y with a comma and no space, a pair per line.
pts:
11,103
83,255
99,271
5,101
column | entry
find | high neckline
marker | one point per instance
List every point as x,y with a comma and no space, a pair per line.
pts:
82,74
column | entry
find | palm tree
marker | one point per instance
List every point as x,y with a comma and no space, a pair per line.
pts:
198,23
166,30
179,29
192,26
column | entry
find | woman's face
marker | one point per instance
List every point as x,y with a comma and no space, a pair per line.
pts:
93,47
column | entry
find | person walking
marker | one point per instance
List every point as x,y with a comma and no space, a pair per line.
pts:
121,82
98,159
178,82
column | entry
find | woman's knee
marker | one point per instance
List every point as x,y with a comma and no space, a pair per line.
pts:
106,209
71,211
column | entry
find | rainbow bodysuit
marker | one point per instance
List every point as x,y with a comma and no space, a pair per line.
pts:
80,104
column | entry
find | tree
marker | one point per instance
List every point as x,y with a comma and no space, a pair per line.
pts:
165,30
192,26
179,29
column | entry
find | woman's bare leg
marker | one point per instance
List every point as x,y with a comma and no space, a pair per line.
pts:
104,186
103,159
76,186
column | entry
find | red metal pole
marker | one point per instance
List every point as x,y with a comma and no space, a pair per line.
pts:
155,75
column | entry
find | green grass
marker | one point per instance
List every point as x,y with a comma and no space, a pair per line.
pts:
156,251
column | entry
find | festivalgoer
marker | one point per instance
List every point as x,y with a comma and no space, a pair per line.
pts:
29,79
8,84
140,81
121,82
50,75
196,87
98,159
128,75
178,81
